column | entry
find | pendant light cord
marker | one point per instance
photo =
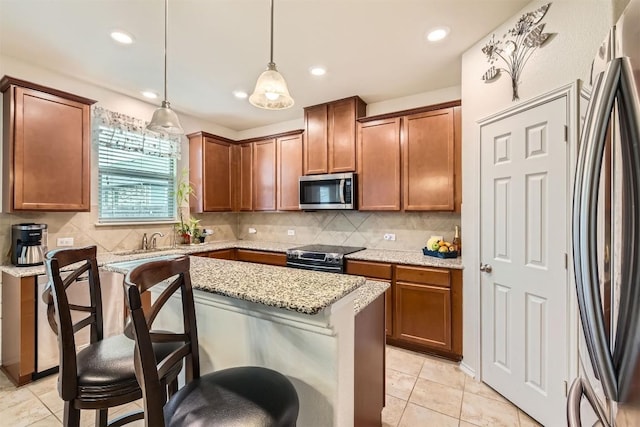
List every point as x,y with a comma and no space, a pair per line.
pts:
166,26
271,57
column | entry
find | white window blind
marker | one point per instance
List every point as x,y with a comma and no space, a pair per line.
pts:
136,171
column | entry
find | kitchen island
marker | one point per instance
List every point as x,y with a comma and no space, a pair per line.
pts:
324,331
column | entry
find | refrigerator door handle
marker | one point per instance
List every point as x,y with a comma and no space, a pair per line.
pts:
585,246
628,334
578,389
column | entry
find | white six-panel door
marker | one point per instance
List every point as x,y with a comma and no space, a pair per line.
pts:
524,191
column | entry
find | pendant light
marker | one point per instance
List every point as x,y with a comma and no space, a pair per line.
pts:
271,91
164,119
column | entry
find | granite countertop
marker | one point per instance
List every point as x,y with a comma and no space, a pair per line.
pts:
303,291
393,256
368,293
406,257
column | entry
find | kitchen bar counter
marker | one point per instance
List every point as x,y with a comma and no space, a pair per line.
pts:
304,324
303,291
376,255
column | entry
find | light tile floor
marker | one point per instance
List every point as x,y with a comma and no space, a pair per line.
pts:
421,391
429,391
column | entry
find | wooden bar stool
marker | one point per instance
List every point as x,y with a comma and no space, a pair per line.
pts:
242,396
101,375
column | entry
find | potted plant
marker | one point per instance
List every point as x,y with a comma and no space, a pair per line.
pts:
194,231
183,191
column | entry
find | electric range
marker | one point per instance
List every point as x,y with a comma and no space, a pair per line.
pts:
327,258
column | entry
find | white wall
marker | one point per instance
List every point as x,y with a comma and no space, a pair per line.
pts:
389,106
106,98
446,94
580,27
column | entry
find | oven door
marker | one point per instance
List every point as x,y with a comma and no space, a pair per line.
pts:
331,191
315,266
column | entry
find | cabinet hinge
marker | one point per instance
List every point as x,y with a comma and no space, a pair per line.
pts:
566,261
566,133
566,389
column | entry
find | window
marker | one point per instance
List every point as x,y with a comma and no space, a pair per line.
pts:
136,170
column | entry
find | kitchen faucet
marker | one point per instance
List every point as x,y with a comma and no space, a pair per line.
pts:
145,242
153,239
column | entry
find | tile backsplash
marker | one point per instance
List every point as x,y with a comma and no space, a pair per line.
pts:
349,228
353,228
82,227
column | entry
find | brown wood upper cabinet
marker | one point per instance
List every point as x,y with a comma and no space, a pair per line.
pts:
428,161
379,165
330,136
245,177
431,168
210,168
46,148
289,169
264,175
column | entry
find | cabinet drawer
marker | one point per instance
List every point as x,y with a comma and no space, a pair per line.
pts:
369,269
430,276
261,257
229,254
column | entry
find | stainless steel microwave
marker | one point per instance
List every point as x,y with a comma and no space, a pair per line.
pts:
329,191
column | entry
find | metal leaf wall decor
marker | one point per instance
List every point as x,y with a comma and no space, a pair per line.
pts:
524,38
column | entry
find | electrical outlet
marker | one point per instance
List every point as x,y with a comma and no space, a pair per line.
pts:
64,241
252,230
291,232
390,236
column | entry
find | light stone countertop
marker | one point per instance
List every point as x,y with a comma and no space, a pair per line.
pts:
368,293
406,257
393,256
303,291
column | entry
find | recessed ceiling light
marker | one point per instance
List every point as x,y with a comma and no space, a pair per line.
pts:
240,94
149,94
437,34
318,71
122,37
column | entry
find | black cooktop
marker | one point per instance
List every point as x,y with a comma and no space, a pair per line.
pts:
328,249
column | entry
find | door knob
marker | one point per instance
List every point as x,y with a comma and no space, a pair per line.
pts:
486,268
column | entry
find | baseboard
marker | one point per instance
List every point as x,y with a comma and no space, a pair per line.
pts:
467,369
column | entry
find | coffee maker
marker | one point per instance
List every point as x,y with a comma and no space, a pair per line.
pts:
28,244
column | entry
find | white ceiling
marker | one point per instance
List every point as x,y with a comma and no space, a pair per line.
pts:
372,48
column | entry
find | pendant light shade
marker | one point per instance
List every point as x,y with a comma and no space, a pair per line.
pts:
164,119
271,90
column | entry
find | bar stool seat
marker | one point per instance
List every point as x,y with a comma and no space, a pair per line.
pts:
102,374
246,396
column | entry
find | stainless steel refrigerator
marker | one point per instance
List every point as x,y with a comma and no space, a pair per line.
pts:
606,235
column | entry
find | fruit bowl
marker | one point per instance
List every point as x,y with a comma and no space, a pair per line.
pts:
437,254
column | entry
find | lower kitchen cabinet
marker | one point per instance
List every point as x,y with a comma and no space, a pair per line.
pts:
423,314
228,254
423,306
261,257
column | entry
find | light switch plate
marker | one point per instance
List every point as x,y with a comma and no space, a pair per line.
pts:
390,236
291,232
64,241
252,230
